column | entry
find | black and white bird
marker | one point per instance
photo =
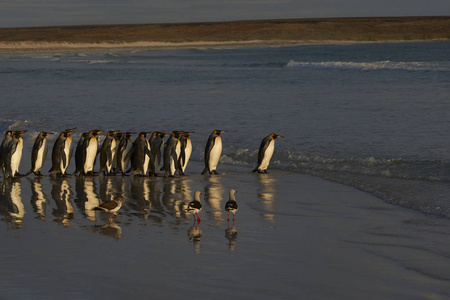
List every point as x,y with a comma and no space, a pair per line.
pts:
265,152
195,206
39,153
231,206
111,206
213,151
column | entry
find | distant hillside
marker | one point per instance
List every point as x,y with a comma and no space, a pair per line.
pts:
330,29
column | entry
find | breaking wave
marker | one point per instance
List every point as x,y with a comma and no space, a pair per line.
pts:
377,65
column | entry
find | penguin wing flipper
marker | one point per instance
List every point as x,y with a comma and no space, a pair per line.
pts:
37,145
262,149
209,146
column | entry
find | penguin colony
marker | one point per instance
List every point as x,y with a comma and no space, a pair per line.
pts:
119,153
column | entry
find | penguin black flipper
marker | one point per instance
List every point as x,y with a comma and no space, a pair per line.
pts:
209,146
262,149
36,147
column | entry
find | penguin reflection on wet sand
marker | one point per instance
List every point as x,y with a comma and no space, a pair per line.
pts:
39,153
62,153
213,151
265,152
14,154
107,153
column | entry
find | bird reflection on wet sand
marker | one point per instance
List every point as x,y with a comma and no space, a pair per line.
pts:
110,228
194,235
266,194
231,235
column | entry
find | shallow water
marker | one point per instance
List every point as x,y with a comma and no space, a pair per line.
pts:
373,116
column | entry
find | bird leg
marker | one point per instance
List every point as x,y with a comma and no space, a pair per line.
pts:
228,216
198,219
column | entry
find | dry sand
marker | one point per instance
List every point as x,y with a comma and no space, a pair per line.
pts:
223,34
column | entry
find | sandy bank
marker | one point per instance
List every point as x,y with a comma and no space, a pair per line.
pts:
25,47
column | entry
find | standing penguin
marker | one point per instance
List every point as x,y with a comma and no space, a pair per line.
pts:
39,153
157,148
213,151
14,154
123,152
171,154
265,152
79,157
186,151
3,149
117,137
90,148
62,153
107,153
141,155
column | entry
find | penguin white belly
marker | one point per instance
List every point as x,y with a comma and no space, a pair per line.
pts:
16,158
187,154
39,159
67,146
126,157
173,162
267,156
91,153
215,153
110,164
146,160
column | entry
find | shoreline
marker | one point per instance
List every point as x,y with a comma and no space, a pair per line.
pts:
42,47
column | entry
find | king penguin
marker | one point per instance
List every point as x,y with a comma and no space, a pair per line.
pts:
117,137
213,151
39,153
107,153
62,153
265,152
140,155
79,157
171,154
14,154
186,151
3,149
124,152
90,150
157,148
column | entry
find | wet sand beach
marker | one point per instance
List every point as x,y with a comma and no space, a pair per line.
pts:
295,237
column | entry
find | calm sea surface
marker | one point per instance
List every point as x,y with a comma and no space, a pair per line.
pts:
372,116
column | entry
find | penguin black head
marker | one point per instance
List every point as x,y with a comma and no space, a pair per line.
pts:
143,134
111,133
69,130
275,136
218,132
96,131
119,135
188,133
18,134
8,133
176,133
44,134
129,134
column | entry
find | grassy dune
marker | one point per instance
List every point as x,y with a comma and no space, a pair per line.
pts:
239,32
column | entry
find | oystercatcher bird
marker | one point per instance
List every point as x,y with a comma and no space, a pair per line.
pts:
231,206
111,206
195,206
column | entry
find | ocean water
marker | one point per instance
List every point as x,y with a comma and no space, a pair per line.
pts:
372,116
